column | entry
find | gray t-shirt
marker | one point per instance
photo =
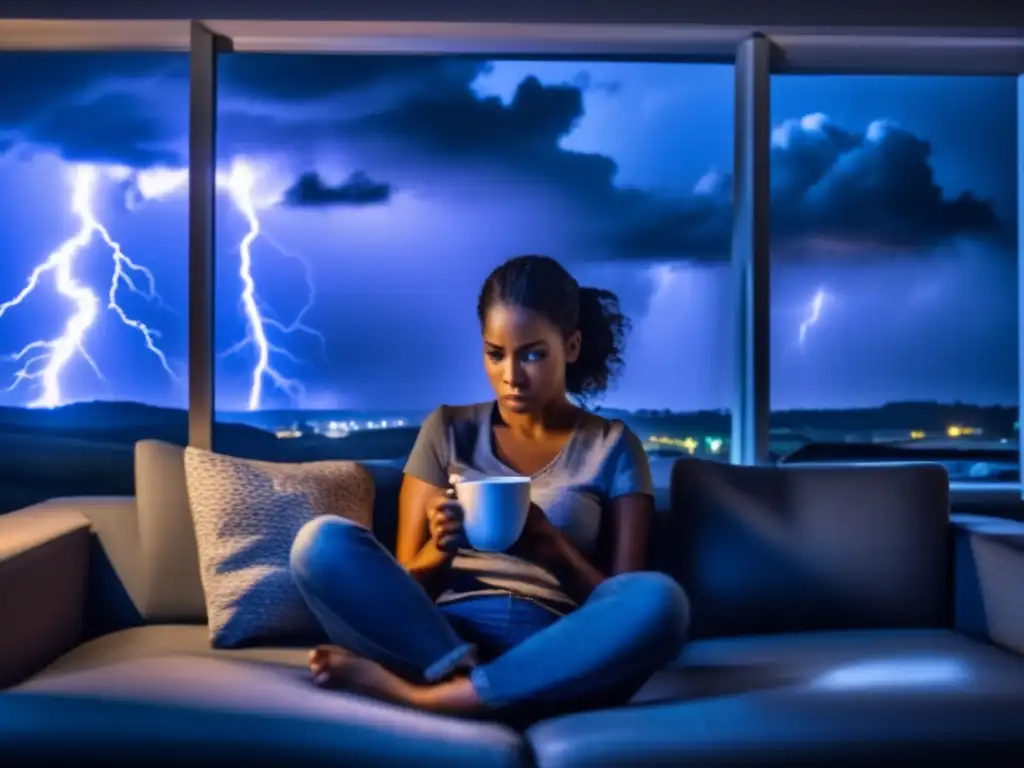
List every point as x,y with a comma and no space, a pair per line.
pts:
601,461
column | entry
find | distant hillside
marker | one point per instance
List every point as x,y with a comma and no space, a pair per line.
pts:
996,421
95,415
367,444
119,425
87,448
123,423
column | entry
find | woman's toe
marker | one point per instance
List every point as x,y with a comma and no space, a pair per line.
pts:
325,662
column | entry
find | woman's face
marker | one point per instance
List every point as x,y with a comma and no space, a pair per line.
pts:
525,356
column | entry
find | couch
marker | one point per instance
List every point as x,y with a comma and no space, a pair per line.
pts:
840,614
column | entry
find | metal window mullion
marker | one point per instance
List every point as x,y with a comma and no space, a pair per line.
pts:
202,158
750,252
1020,274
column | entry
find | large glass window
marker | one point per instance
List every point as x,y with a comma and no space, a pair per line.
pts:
94,274
894,274
364,200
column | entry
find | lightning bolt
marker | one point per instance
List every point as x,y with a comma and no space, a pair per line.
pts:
46,359
239,183
814,310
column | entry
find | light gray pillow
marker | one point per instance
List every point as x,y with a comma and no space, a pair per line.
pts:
246,515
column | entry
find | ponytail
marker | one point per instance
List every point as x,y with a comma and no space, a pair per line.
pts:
603,330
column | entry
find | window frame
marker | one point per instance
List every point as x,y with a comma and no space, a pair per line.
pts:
756,53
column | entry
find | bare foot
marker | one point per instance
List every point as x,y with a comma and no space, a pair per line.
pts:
335,667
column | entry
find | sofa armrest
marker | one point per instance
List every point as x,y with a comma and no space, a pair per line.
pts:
989,562
44,563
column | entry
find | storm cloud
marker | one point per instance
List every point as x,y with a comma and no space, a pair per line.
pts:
877,186
870,187
310,190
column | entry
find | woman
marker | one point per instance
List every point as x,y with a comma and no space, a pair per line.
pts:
448,629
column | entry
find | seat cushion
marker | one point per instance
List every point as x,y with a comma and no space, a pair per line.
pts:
831,696
40,729
806,699
161,641
248,699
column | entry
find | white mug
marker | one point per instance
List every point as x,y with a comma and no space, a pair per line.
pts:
494,511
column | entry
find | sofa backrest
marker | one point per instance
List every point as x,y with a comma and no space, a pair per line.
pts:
758,549
800,548
169,588
165,584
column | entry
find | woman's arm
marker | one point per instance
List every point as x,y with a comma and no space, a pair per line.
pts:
423,488
631,519
631,489
415,550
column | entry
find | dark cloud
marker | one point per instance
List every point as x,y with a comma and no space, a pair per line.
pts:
875,189
118,108
697,227
458,120
455,124
36,84
871,189
114,128
303,78
133,108
357,190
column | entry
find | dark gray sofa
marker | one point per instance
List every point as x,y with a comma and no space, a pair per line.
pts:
839,615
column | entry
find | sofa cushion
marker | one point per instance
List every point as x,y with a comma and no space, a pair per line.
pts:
816,695
61,729
247,514
801,548
214,705
167,582
807,699
160,640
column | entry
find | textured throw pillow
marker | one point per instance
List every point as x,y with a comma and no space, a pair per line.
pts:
246,515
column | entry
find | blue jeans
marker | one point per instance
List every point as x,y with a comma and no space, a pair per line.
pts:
630,626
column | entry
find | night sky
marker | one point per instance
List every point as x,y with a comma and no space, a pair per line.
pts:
387,188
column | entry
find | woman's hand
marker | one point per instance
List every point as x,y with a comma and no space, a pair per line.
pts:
444,520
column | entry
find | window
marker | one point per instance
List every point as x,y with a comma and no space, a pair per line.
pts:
386,188
94,276
894,271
